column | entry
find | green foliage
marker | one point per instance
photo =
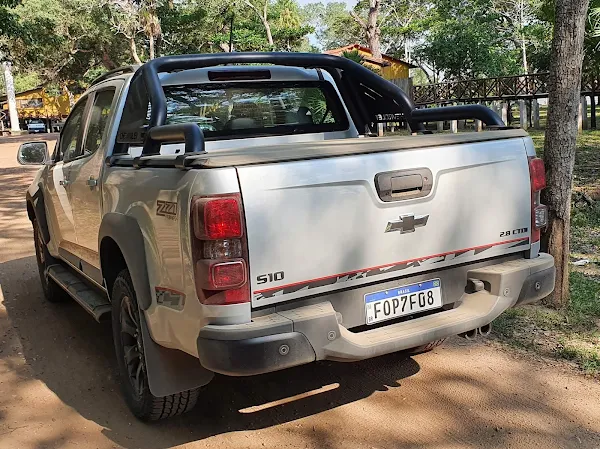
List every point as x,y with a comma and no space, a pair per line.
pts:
353,55
334,26
22,82
466,40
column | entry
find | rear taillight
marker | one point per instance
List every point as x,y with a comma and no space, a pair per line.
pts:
539,212
219,250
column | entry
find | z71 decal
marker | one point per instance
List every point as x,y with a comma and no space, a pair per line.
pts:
166,209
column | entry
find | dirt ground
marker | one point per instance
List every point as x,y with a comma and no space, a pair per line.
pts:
58,387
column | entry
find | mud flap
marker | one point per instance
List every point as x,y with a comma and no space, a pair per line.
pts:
171,371
37,201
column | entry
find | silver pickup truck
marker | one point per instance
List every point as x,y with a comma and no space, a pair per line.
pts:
234,214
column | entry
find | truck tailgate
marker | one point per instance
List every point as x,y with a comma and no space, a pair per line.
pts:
320,225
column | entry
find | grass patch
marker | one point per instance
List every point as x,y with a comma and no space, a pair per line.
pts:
573,333
587,358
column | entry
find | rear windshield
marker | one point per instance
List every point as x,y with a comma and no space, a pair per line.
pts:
230,110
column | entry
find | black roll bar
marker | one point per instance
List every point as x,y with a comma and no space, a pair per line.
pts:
194,140
150,70
469,111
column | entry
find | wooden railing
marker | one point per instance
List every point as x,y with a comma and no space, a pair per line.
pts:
490,89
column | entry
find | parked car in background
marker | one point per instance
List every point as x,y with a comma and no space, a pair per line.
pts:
36,125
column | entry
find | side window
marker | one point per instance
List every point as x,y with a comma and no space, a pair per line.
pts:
71,135
98,121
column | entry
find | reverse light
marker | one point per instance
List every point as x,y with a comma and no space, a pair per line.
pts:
222,249
540,215
219,250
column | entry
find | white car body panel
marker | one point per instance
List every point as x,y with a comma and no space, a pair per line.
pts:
324,219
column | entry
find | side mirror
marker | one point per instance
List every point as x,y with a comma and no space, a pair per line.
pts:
32,153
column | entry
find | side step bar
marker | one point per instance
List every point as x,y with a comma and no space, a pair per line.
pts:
93,301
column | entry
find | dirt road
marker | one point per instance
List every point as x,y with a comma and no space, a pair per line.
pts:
58,388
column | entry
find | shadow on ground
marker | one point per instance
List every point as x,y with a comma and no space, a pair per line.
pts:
28,138
74,357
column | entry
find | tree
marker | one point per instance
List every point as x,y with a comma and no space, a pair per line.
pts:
10,28
514,18
260,8
334,26
371,26
465,40
561,135
10,95
125,19
150,23
64,41
290,26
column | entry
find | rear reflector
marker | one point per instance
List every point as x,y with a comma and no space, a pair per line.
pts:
537,174
218,218
237,295
227,275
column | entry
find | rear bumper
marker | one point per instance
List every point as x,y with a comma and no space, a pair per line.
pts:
298,336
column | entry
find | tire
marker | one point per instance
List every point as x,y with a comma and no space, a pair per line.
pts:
52,292
129,349
425,348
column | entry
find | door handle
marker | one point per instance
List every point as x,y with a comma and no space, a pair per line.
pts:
64,182
92,182
402,185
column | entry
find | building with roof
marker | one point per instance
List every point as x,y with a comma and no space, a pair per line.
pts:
388,67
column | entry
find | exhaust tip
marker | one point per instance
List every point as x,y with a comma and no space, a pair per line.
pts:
485,330
469,335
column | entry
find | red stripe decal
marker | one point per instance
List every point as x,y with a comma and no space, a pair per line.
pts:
390,264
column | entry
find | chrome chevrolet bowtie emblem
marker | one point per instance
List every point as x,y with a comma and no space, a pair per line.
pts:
407,223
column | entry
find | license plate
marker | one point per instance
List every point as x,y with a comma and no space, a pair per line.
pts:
405,300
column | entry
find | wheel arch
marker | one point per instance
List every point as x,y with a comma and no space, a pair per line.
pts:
36,210
121,245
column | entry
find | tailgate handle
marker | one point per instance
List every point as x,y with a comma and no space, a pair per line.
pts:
404,184
407,184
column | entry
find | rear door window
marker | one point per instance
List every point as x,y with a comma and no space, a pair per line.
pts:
230,110
98,121
70,138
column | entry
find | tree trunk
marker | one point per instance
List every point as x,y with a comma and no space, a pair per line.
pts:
268,30
70,95
561,134
373,30
151,40
107,62
133,50
523,43
524,51
10,95
224,46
